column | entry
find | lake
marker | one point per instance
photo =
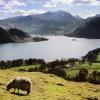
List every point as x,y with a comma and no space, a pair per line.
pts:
56,47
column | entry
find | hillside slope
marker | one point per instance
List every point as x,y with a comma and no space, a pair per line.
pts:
49,87
93,55
13,35
90,29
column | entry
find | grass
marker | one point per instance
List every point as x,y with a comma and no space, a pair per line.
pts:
98,57
24,67
46,87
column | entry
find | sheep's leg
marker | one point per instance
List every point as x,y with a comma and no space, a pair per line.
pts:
27,92
18,90
14,90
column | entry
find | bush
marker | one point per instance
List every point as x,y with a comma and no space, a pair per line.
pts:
73,78
83,73
58,72
80,76
32,69
94,77
22,70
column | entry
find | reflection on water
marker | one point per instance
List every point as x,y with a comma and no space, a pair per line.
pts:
56,48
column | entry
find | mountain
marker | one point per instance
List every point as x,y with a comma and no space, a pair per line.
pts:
98,15
49,23
13,35
90,29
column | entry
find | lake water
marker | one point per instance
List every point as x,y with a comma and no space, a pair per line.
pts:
56,47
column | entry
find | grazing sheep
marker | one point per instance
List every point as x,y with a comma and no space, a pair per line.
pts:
22,83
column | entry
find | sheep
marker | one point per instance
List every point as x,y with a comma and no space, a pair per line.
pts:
22,83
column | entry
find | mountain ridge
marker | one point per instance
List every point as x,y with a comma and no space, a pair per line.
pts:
90,29
49,23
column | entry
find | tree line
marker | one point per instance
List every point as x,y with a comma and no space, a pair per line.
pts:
20,62
31,61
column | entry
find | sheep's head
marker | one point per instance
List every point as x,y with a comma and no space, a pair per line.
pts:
10,85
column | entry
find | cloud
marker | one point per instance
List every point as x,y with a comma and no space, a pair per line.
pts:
29,12
50,4
23,12
13,4
90,2
12,7
34,11
27,7
55,3
2,2
96,2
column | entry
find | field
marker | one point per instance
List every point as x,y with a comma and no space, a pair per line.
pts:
48,87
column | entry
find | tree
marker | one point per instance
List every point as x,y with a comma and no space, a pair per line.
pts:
3,64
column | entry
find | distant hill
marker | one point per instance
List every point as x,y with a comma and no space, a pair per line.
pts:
18,33
13,35
90,29
93,55
49,23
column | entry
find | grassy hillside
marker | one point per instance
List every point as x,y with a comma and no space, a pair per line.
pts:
48,87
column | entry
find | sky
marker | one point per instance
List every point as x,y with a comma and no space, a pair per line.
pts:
82,8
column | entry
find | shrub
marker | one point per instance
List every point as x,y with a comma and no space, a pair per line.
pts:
32,69
80,76
83,73
58,72
73,78
43,68
22,70
94,77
